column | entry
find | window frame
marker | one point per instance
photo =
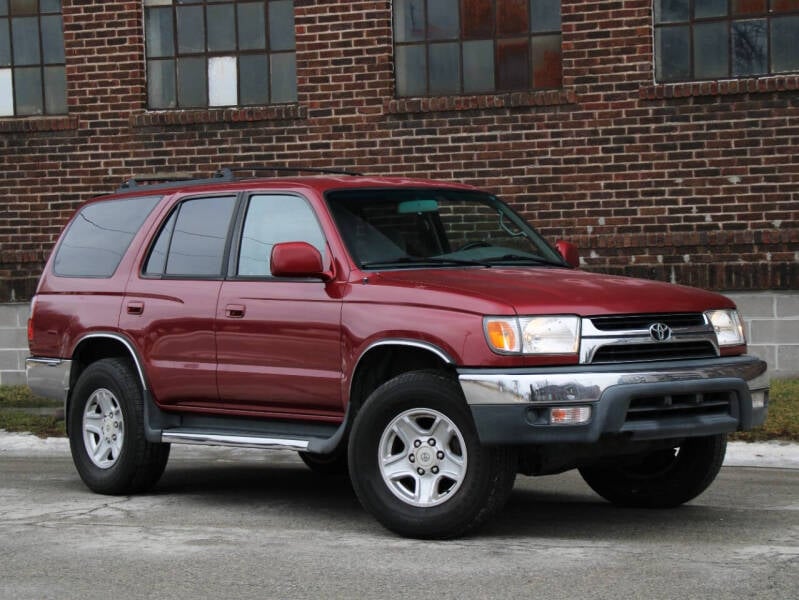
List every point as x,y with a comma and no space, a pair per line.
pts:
236,51
461,39
729,18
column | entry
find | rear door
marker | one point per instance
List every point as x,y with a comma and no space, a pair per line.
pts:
278,340
170,304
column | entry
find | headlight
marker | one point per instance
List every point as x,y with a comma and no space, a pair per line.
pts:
728,326
555,334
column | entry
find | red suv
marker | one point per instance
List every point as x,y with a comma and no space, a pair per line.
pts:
418,334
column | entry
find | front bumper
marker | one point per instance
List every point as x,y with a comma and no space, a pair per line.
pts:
645,401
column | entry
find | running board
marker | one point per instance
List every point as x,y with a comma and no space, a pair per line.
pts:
235,441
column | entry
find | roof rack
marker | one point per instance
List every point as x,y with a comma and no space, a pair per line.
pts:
169,180
224,171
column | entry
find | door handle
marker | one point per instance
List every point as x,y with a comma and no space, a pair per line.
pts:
234,311
135,308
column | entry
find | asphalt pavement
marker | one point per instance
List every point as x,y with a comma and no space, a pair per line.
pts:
245,524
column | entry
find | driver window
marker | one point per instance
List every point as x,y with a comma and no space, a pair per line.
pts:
273,219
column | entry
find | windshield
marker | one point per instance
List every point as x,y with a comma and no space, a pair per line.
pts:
429,227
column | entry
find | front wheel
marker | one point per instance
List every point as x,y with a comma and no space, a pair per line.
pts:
660,479
417,464
106,431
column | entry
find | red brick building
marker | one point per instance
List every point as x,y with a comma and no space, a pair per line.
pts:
659,136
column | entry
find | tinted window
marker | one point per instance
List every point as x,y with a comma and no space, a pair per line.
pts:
99,236
271,220
197,246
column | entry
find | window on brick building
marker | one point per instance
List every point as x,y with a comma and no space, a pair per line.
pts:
722,39
219,53
453,47
33,79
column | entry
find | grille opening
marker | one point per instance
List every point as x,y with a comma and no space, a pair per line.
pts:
659,351
679,405
673,320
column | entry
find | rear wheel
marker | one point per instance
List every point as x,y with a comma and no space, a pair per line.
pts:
416,462
660,479
106,431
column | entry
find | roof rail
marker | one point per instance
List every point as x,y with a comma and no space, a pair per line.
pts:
230,171
168,180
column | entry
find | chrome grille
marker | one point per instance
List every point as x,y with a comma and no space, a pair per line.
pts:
667,351
625,322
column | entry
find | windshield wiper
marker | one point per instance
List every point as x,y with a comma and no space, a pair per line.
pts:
420,260
520,258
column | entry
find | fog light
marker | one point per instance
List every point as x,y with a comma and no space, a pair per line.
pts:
759,399
572,415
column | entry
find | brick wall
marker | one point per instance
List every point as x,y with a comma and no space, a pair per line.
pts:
696,184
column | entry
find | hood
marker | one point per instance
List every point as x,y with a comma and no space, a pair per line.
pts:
542,290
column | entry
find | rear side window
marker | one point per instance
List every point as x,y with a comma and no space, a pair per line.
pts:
99,236
192,242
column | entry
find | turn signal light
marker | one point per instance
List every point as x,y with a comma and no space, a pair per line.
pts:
501,335
570,415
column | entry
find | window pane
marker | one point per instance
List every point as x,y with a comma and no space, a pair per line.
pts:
273,220
198,242
784,5
25,41
547,61
513,64
445,68
55,90
545,15
284,78
252,26
50,6
710,8
748,7
784,49
23,7
222,80
221,27
157,260
6,93
672,54
158,29
191,82
670,11
513,17
411,70
442,19
478,19
161,91
478,66
53,39
191,29
3,7
408,20
281,25
28,91
254,79
749,47
711,43
5,44
99,236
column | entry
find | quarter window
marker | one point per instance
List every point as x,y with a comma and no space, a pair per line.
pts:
33,78
476,46
270,220
229,53
721,39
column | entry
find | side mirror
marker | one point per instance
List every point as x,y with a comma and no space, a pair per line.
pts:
297,259
569,252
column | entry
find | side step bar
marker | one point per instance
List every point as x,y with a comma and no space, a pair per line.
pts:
234,440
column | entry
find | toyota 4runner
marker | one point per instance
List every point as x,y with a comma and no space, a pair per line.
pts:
419,335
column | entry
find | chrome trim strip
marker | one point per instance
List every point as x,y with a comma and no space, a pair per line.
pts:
126,343
412,343
48,377
235,441
582,385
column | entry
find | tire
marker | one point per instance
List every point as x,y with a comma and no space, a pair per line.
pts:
416,462
106,433
332,465
660,479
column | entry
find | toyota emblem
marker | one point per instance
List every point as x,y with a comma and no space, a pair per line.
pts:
660,332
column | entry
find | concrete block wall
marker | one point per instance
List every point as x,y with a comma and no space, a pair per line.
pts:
772,329
13,343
